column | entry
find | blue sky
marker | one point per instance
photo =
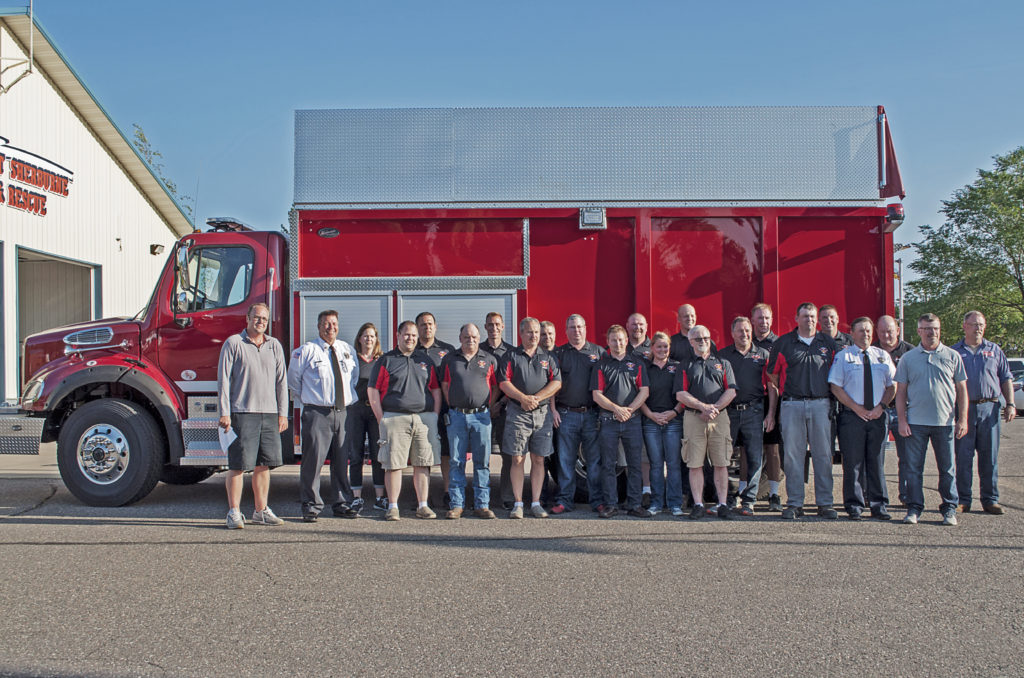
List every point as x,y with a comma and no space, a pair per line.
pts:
214,84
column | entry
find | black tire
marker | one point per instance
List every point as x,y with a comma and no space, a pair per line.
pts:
184,475
110,453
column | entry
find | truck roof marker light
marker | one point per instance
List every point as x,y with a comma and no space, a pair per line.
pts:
593,219
894,213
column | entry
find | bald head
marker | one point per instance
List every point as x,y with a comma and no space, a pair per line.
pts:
687,316
888,332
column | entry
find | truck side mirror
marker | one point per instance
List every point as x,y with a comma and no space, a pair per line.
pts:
182,267
181,303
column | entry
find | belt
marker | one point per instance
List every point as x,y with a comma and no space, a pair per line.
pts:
326,408
805,397
470,410
574,409
695,411
739,407
984,400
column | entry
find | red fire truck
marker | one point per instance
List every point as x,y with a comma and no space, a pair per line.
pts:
525,211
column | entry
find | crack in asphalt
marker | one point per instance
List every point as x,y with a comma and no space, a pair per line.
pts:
53,491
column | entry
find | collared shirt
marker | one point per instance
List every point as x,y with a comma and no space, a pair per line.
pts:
498,351
251,378
682,350
767,341
930,378
642,350
405,382
661,381
529,374
843,340
437,351
847,372
706,379
986,368
469,380
620,380
576,365
751,370
311,379
897,351
802,369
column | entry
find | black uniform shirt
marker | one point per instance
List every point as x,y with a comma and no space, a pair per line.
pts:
897,353
364,377
661,381
437,351
576,365
802,369
751,372
768,341
619,380
642,350
499,351
405,382
469,380
682,350
706,379
842,340
527,374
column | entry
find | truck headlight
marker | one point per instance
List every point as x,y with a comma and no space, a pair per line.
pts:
32,391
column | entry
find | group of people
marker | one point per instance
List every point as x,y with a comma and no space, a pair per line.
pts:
778,402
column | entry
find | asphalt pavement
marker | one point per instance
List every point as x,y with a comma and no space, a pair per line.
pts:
161,588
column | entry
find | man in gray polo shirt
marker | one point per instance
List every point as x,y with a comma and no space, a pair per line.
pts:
930,380
253,398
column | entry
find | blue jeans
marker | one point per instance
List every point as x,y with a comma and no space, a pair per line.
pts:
807,424
941,438
469,434
577,428
983,430
748,430
663,449
629,432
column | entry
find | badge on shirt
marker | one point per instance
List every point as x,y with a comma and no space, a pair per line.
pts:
823,350
988,354
718,366
671,369
630,366
423,366
481,363
593,357
442,353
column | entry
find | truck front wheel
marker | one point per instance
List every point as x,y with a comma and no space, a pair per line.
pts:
110,453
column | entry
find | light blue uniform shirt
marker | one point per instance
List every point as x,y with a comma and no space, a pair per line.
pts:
311,379
847,372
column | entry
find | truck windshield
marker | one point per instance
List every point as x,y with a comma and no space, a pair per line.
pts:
219,276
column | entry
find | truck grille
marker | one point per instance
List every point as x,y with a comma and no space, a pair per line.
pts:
95,336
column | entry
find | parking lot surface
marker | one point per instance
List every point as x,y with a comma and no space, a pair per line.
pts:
161,588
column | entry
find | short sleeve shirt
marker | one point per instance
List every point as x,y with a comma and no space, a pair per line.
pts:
619,380
469,380
897,352
661,381
706,379
405,382
802,369
847,372
930,378
642,350
986,369
576,366
751,370
528,373
767,341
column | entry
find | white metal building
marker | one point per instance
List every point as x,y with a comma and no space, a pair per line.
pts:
85,225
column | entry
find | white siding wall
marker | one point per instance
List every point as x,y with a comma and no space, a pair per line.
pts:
103,205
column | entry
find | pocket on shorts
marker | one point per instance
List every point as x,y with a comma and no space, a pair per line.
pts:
383,450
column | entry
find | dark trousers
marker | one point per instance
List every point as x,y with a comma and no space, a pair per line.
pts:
862,444
630,433
360,426
323,437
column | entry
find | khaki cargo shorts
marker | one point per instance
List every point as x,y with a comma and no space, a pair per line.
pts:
408,440
711,439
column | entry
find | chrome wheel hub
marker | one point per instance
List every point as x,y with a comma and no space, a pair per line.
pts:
103,454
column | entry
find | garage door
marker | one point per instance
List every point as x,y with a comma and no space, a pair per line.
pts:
453,310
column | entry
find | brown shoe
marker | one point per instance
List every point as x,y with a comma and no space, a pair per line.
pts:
485,513
994,509
425,513
454,513
963,508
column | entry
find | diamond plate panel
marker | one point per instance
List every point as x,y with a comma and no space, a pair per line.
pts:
497,156
20,434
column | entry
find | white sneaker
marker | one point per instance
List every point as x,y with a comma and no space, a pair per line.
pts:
678,511
235,520
266,517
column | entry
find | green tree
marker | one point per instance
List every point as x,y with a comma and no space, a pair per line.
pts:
975,260
155,160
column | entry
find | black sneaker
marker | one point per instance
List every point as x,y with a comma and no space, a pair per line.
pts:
774,503
645,500
880,513
697,512
357,504
640,512
792,513
724,512
343,510
381,503
854,513
827,512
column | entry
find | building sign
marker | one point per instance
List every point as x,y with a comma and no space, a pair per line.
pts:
31,180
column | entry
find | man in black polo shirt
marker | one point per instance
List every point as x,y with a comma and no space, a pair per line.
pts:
469,382
405,397
828,318
761,318
636,329
747,417
529,377
798,367
494,325
705,386
619,386
426,324
575,415
681,348
888,331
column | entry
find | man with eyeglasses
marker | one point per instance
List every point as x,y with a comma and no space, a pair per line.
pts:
931,384
988,377
253,402
798,367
